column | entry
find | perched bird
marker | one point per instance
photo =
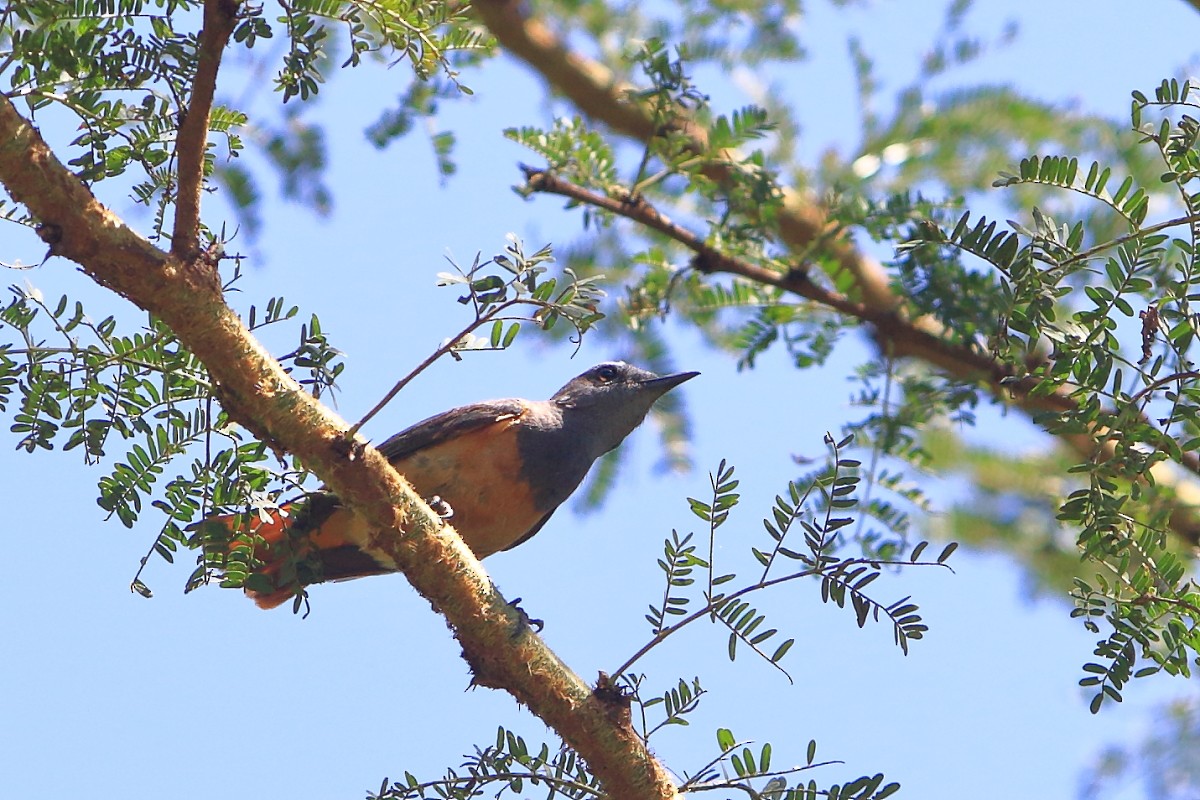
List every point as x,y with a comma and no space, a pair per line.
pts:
497,470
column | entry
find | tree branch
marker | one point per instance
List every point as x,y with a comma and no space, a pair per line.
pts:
593,89
186,294
588,84
960,361
895,332
803,225
220,16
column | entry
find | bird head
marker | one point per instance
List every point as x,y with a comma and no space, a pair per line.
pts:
611,399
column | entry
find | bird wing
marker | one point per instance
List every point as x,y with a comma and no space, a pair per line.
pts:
466,424
448,424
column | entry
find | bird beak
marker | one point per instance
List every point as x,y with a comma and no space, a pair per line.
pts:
666,383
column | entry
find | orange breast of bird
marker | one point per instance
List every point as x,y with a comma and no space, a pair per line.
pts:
476,471
479,475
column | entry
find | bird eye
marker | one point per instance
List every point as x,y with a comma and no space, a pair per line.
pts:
606,374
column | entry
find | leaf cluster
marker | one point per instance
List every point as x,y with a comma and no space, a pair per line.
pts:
1109,324
507,766
142,403
816,514
123,69
746,766
521,279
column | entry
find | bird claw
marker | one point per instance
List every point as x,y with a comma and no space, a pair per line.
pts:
526,621
440,507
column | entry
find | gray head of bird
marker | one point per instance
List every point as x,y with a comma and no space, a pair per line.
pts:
611,399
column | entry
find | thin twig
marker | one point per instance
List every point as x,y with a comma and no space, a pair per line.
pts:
492,315
1158,384
1084,255
691,786
400,384
712,606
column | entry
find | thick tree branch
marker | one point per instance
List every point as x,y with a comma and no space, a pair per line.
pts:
186,294
220,16
588,84
959,361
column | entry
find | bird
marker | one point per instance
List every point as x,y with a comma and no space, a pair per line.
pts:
496,470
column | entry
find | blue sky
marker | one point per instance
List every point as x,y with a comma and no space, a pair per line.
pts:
188,697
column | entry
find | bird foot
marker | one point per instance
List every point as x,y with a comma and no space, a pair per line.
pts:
440,507
526,621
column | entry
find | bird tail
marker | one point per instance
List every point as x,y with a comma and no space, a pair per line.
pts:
258,552
274,554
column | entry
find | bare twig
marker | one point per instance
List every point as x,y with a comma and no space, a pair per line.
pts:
220,16
400,384
1154,386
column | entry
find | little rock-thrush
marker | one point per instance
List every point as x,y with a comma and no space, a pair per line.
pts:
499,469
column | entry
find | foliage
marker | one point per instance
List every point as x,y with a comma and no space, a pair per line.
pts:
840,578
1139,401
510,765
1087,323
124,69
520,282
813,513
83,385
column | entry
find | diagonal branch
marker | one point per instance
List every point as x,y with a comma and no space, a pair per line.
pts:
959,361
185,293
803,225
220,16
596,92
